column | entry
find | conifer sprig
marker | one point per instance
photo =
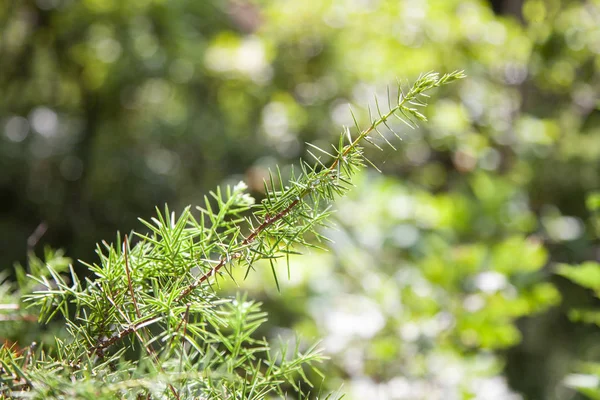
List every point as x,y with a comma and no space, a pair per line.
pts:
153,293
322,182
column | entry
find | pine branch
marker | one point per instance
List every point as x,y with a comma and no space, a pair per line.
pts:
325,182
151,292
425,83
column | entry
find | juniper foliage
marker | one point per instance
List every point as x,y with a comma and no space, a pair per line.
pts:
151,324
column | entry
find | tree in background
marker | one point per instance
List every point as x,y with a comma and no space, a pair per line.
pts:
110,109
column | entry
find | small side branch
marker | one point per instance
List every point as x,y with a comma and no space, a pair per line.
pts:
105,343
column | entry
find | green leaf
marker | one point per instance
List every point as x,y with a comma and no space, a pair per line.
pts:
593,202
585,316
586,274
518,254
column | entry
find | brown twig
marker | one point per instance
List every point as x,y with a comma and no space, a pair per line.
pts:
104,343
214,270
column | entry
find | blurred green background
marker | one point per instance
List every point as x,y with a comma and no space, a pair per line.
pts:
440,282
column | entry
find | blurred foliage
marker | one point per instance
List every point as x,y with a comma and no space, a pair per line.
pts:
587,275
406,308
110,108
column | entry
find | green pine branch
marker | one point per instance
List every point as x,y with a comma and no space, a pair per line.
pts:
151,323
323,182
